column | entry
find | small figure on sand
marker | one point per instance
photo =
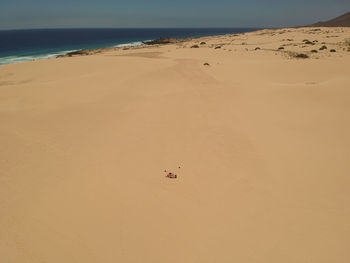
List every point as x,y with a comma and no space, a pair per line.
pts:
171,176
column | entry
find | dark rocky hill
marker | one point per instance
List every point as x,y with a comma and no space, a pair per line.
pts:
343,20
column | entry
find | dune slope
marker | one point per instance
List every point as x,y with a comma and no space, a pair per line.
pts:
259,140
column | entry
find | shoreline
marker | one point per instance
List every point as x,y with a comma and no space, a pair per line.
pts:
300,54
178,40
144,44
40,56
83,52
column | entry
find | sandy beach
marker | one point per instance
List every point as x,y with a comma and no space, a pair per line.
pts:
258,137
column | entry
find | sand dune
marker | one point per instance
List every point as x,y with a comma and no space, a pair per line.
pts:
261,139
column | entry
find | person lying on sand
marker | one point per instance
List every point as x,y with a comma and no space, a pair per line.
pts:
172,176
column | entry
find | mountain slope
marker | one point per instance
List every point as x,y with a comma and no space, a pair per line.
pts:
343,20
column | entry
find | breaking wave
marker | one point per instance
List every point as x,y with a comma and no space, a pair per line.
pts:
131,44
18,59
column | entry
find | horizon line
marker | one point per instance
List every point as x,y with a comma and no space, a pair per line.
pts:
73,28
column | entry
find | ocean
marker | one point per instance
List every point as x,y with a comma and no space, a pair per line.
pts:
32,44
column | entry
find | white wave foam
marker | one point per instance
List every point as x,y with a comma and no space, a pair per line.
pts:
18,59
13,59
131,44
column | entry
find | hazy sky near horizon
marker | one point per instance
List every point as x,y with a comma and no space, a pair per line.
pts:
21,14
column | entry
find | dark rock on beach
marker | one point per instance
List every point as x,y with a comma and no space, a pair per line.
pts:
307,42
302,56
160,41
166,40
82,52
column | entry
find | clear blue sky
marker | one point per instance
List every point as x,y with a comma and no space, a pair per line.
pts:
19,14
